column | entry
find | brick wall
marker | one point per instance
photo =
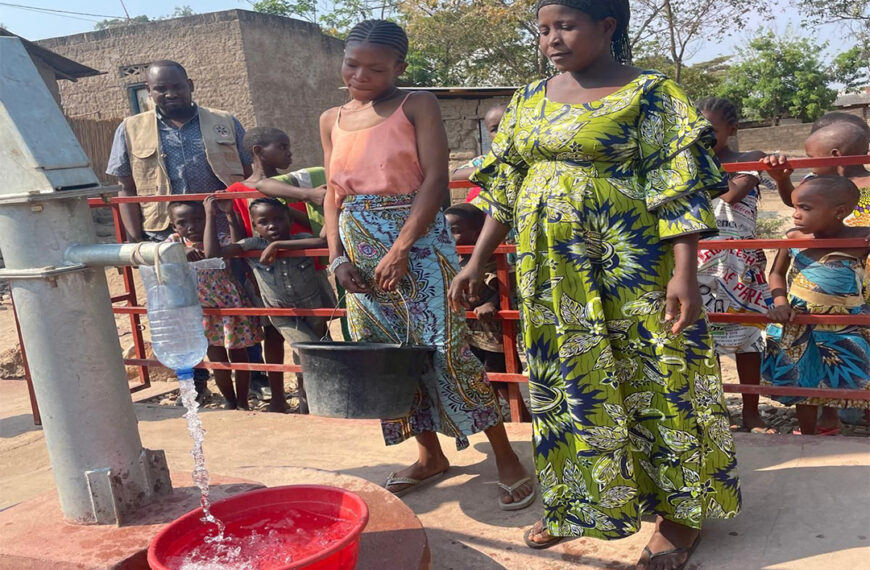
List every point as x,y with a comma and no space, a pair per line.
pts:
294,75
208,45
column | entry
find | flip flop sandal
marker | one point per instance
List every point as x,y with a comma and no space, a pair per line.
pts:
413,484
516,505
687,549
553,541
765,430
820,431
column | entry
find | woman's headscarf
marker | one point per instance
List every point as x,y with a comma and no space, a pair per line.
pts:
598,10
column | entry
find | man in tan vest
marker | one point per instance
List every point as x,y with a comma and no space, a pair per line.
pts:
177,148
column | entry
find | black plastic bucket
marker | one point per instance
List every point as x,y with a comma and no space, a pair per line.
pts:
361,380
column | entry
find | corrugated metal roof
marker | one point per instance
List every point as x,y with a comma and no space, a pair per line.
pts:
64,68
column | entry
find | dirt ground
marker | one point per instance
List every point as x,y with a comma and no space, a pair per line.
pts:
774,218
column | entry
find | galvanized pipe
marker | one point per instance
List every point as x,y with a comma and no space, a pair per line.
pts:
100,468
113,255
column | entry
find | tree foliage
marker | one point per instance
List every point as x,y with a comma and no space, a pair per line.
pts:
336,17
675,27
698,80
781,76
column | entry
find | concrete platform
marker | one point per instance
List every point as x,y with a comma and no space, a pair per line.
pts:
806,499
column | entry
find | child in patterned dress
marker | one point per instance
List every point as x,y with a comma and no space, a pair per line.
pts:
733,280
228,336
821,282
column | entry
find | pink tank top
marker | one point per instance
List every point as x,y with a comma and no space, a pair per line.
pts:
378,160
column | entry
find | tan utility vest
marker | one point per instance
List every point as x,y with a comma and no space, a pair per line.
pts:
149,170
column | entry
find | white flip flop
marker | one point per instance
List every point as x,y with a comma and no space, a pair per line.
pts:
413,484
516,505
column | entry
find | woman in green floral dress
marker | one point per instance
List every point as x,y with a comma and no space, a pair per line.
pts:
606,172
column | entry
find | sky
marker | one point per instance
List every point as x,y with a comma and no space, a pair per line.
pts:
34,26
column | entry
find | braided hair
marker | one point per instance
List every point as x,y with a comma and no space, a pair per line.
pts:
723,107
382,33
598,10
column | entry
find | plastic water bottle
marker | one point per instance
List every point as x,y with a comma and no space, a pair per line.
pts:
175,317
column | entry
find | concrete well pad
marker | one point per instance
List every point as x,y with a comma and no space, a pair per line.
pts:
806,499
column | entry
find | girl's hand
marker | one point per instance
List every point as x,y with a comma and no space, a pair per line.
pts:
463,289
683,300
486,311
391,270
269,254
194,254
779,173
781,313
208,204
347,275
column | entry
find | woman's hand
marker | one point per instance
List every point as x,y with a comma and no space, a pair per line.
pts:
781,313
463,289
348,276
391,270
683,301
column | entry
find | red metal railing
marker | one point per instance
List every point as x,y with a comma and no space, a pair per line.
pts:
513,376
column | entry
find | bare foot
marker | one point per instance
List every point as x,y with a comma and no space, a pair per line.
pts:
668,536
509,474
278,407
419,472
755,424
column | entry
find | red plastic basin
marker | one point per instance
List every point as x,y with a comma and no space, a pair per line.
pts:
281,528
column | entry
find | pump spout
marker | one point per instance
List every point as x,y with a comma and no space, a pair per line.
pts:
104,255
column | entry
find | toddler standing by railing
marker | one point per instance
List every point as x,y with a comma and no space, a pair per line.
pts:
821,282
228,337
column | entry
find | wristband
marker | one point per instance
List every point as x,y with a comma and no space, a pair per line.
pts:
340,260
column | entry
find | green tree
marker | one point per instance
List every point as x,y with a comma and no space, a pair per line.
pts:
336,17
676,27
698,80
779,76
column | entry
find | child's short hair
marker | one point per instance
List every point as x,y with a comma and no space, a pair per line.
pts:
724,107
840,189
273,202
469,213
261,136
840,117
189,203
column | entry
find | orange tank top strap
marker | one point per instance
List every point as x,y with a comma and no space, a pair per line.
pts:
377,160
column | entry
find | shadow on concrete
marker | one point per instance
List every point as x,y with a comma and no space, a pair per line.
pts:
16,425
477,553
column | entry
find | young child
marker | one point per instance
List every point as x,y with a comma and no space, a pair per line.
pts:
485,332
733,280
818,281
491,119
842,137
228,337
270,151
284,282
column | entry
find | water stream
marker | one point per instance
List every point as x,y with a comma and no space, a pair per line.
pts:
200,473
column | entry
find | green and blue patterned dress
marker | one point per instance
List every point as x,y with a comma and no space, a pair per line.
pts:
628,419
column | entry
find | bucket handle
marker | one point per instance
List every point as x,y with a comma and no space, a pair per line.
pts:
407,312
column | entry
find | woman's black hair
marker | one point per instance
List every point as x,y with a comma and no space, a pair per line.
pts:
468,212
382,33
598,10
724,107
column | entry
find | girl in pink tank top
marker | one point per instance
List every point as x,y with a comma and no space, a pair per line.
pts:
391,249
